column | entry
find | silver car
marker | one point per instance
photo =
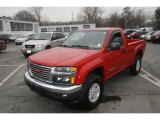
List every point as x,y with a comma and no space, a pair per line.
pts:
42,41
148,36
23,38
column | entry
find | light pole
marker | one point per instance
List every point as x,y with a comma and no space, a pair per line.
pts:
125,20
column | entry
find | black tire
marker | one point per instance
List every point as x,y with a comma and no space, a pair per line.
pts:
26,55
47,47
134,69
92,79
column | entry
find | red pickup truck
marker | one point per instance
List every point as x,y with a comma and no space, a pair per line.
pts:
77,70
3,45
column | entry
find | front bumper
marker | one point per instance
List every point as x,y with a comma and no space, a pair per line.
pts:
32,51
68,93
3,47
19,42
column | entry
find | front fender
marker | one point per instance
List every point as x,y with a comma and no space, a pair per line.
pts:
87,68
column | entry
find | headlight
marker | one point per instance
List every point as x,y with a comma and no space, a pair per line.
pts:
64,75
39,46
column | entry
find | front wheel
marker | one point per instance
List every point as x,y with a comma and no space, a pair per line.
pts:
92,91
136,67
26,55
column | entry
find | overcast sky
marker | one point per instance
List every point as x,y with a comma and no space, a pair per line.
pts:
63,13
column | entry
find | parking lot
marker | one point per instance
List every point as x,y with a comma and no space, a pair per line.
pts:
122,94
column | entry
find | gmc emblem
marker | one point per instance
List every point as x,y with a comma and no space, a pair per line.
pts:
36,70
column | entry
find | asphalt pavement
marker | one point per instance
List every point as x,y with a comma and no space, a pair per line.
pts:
122,94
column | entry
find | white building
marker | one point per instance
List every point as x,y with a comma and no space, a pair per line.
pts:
66,28
8,26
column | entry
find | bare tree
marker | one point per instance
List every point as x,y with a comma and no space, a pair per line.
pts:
157,18
25,15
139,17
114,20
91,15
127,17
37,11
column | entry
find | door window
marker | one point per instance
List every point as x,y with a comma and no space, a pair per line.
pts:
116,38
54,36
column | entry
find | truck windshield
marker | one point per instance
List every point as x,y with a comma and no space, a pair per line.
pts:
86,40
42,36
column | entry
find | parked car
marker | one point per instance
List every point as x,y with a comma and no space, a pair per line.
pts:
137,34
3,45
5,37
143,36
77,70
148,29
23,38
42,41
148,36
13,37
66,34
128,31
155,37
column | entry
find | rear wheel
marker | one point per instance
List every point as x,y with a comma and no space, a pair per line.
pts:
92,91
136,67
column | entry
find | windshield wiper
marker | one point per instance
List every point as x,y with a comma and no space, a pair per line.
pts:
64,46
80,46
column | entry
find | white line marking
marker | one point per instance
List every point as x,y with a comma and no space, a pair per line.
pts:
8,65
150,75
10,75
152,78
10,58
155,83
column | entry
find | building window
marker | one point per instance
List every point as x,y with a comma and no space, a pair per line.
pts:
51,29
86,26
16,26
43,29
1,26
74,28
67,29
59,29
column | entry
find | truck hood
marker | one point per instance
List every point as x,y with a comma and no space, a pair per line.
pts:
35,42
60,56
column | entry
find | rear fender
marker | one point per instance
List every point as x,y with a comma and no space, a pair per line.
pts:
138,50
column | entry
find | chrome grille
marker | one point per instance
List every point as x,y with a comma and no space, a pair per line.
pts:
40,72
29,46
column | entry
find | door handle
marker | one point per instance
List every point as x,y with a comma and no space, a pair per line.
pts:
123,50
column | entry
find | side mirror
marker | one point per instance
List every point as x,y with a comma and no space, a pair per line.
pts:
114,46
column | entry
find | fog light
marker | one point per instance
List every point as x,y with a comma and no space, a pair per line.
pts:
72,80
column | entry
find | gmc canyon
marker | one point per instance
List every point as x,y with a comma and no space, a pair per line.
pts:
78,69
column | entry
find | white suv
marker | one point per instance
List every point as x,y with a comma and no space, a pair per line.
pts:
42,41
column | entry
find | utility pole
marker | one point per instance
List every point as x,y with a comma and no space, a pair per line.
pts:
72,16
125,20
